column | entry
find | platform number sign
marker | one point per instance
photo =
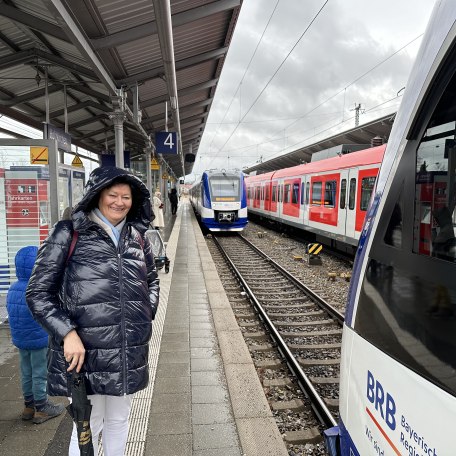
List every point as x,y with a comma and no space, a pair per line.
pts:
166,142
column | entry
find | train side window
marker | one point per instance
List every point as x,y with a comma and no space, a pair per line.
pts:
266,192
330,193
316,193
435,193
280,193
407,301
367,187
352,194
274,193
295,194
286,194
307,192
302,193
343,193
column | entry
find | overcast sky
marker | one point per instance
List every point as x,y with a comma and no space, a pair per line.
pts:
307,73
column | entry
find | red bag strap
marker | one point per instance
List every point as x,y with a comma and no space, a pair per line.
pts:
74,239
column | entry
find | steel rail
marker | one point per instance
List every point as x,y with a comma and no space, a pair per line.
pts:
318,299
318,405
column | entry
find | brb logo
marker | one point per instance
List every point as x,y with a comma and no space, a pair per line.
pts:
383,403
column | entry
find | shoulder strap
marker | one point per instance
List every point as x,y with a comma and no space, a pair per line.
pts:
74,239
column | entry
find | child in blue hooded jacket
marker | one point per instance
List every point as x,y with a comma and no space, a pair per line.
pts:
32,341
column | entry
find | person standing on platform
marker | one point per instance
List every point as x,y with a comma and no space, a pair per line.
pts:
94,288
173,199
32,341
159,221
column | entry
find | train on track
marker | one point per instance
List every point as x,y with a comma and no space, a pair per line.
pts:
328,197
398,362
219,200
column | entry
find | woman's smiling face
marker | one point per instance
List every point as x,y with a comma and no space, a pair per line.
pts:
115,202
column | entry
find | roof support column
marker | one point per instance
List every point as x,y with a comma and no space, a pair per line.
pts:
148,151
118,118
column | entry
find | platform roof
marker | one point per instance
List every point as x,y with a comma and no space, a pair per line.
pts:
362,134
93,48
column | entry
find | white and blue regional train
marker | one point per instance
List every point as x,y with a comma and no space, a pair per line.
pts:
398,367
219,200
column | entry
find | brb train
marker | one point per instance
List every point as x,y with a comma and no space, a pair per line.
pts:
219,200
398,363
328,197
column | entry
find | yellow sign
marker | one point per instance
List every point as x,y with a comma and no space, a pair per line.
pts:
314,249
164,176
154,166
39,155
77,162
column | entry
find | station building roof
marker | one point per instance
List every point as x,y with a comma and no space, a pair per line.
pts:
348,140
168,51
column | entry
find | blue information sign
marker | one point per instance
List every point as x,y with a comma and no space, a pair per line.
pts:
110,160
166,142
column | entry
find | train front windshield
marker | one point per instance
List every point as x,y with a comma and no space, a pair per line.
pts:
224,188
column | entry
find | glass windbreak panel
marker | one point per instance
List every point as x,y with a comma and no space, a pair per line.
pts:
274,193
330,193
316,194
352,194
367,187
286,195
407,299
435,195
295,195
224,188
343,193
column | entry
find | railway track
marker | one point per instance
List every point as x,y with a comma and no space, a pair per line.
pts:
294,337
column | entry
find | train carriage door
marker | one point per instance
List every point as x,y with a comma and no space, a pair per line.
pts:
262,196
280,198
274,191
351,176
305,194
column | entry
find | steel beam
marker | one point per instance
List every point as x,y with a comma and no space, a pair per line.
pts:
150,28
181,93
180,64
31,21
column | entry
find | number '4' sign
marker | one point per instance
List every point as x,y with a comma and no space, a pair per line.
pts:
166,142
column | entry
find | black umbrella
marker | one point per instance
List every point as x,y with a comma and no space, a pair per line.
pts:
80,409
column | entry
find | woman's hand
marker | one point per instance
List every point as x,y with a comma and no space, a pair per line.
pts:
73,350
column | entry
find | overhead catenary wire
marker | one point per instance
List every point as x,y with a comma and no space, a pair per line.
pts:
246,69
327,129
275,137
273,76
352,83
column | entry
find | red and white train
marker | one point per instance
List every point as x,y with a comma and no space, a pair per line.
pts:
328,197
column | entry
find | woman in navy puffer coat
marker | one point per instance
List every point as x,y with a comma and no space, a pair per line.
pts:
98,301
